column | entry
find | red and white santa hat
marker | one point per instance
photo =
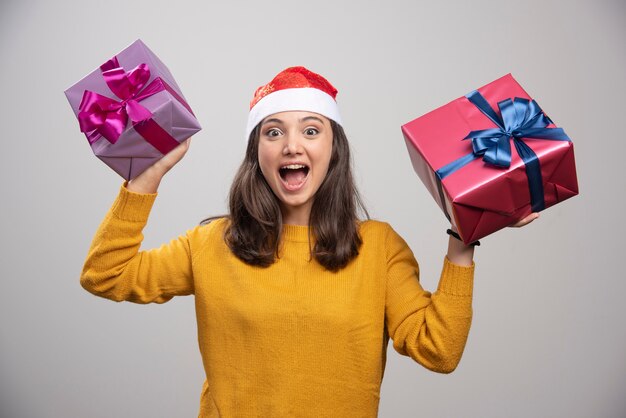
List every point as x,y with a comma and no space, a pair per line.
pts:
294,88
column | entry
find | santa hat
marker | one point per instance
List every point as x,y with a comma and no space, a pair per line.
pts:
294,88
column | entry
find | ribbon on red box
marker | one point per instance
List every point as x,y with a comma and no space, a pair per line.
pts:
101,116
521,119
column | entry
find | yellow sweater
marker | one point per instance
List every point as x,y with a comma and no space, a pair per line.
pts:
293,339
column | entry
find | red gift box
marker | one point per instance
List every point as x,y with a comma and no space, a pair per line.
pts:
491,157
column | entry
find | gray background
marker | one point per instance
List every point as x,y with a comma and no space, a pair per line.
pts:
548,338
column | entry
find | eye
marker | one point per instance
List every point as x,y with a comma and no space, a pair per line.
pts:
273,132
311,131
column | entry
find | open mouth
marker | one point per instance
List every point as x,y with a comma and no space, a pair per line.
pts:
294,175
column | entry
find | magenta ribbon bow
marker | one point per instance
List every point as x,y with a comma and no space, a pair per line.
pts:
100,115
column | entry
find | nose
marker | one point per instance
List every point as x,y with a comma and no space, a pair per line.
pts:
293,145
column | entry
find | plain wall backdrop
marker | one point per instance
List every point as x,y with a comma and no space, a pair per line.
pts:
548,337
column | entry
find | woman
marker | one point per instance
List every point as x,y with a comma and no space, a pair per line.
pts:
296,298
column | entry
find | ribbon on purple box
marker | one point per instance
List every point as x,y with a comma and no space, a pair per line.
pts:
101,116
521,119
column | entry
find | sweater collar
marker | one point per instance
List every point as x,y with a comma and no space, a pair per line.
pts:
296,233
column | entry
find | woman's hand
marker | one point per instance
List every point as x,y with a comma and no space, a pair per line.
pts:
170,159
463,255
149,180
526,220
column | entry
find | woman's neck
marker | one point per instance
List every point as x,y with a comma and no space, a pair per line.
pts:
296,215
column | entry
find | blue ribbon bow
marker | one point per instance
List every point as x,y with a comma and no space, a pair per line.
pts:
521,119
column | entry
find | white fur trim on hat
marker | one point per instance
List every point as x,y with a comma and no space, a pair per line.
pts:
306,99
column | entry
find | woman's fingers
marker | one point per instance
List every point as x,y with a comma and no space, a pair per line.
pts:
526,220
174,156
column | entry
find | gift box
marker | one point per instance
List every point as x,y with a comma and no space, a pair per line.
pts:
491,157
132,111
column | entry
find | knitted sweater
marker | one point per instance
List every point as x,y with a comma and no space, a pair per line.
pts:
292,339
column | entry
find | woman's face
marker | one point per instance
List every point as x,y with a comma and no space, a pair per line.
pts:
294,153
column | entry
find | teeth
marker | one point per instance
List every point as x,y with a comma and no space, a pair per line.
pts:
293,166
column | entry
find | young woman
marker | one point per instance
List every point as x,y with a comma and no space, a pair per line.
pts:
296,298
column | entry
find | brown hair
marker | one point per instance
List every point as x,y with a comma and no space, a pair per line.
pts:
253,233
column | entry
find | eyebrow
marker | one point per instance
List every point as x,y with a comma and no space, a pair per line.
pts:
304,119
312,118
273,120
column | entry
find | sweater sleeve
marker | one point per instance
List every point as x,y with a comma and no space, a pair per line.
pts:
115,268
430,328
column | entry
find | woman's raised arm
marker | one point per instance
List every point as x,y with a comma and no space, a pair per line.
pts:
115,268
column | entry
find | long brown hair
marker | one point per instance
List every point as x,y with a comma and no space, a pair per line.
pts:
253,233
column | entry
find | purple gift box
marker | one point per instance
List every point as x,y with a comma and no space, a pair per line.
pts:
132,111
